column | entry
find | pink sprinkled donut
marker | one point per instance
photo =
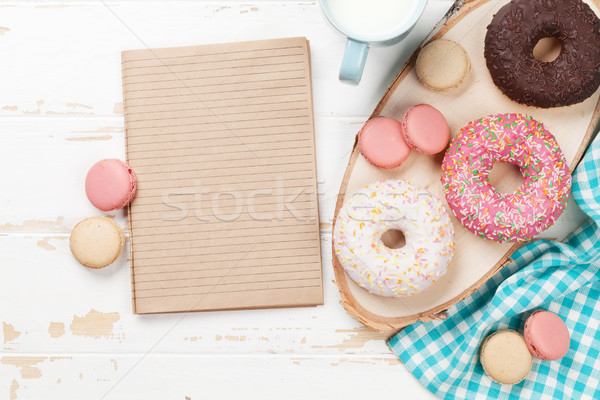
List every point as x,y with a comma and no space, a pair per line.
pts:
510,138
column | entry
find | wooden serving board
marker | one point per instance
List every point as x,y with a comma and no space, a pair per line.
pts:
475,260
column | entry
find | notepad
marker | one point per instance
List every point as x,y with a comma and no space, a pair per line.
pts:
221,138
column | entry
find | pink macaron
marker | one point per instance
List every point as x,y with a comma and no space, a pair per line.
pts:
110,184
382,144
547,335
425,129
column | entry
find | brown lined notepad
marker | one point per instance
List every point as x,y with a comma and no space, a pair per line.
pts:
221,139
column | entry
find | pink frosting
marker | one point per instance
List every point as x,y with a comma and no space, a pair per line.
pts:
382,144
511,138
547,335
110,184
425,129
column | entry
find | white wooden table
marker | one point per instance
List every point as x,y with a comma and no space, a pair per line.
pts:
68,332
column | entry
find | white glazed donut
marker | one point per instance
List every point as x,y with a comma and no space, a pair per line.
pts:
397,205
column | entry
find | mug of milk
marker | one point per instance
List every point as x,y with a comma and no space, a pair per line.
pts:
364,22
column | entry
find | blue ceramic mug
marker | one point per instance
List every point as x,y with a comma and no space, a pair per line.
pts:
357,45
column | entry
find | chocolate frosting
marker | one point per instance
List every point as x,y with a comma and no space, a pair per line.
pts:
512,35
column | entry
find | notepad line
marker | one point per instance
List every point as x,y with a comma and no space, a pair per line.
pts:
229,106
210,115
167,226
161,58
137,203
262,134
222,189
310,219
212,245
204,254
282,175
220,261
223,284
227,230
183,271
219,122
180,156
220,161
143,184
226,291
220,169
190,87
208,77
230,275
222,176
163,149
215,100
167,65
229,168
263,127
313,229
227,189
295,232
219,91
210,68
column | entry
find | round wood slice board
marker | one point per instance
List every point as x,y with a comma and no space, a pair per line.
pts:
475,260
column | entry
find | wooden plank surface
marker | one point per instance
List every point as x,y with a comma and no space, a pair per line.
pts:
68,332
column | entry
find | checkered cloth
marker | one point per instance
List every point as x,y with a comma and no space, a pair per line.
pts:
561,277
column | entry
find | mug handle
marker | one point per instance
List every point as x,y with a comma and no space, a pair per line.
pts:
354,60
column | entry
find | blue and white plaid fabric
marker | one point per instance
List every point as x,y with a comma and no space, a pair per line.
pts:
561,277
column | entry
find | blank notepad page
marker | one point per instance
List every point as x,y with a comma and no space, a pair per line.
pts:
221,139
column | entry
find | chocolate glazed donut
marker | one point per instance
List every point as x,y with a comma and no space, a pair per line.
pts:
515,30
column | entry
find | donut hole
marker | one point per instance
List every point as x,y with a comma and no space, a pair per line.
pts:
505,177
393,239
547,49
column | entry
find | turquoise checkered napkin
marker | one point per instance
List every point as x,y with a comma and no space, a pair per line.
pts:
561,277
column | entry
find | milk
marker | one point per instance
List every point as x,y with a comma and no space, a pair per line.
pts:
370,17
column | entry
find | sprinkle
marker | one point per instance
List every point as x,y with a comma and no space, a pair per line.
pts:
517,139
375,267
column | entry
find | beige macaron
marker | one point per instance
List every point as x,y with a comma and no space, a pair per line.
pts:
505,357
96,242
443,65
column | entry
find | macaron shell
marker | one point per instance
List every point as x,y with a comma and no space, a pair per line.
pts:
96,242
382,144
547,335
425,129
505,357
110,184
442,65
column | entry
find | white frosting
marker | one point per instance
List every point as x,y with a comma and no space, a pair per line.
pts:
398,205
